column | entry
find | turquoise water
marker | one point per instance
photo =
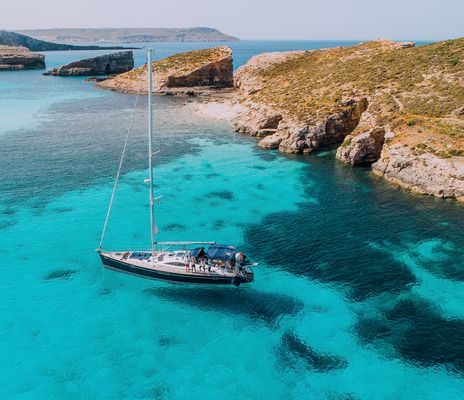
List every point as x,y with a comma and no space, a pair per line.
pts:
358,295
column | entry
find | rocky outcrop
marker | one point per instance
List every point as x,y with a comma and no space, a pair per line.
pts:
362,148
305,138
290,136
277,127
422,173
255,120
16,58
194,72
114,63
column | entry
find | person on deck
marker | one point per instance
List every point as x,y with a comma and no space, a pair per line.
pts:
238,260
192,264
203,264
202,257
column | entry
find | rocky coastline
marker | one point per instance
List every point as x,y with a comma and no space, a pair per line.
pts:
404,118
391,106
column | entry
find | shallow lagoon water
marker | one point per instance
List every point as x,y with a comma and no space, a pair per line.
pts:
358,294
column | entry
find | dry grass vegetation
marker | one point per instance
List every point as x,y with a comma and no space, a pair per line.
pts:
418,92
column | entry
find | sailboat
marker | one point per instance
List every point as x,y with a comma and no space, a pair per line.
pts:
187,262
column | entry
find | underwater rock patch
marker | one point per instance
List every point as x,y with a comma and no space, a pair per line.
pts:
418,334
60,274
219,224
8,211
62,210
224,194
429,339
330,257
175,227
165,341
292,346
7,224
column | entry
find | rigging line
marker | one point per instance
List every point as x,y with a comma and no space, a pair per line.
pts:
120,167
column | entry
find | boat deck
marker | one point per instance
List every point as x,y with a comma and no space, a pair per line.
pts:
169,262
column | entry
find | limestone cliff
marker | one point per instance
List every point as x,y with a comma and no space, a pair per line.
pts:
193,72
107,64
15,58
423,172
391,105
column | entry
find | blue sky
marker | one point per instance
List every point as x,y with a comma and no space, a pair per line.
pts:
252,19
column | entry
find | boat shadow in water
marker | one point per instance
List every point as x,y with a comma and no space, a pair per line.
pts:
292,348
267,307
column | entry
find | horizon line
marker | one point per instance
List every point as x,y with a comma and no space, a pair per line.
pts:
442,38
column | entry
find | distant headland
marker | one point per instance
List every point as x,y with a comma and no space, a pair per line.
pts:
14,39
128,35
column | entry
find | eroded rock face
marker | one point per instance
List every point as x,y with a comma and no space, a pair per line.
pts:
215,74
194,72
362,148
332,131
114,63
255,120
17,58
289,136
425,173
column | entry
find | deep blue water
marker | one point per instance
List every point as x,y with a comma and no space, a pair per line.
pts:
359,293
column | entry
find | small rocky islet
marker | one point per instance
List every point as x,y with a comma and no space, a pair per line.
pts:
197,72
392,106
114,63
14,58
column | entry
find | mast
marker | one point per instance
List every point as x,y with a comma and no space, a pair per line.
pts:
150,148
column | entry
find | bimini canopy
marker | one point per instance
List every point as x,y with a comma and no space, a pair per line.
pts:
221,252
194,252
